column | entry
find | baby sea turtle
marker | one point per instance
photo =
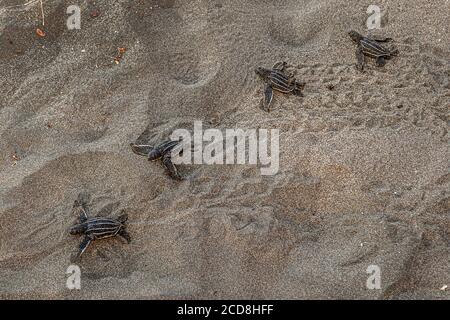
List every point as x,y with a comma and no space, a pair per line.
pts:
162,151
97,228
370,46
277,79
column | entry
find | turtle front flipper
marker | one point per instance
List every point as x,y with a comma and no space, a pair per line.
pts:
360,58
268,97
298,87
83,213
380,61
83,245
141,149
280,65
173,172
124,234
81,207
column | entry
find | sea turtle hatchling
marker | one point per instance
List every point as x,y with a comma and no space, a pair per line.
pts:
277,79
370,46
161,151
97,227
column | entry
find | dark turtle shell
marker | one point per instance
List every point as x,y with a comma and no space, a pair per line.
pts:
280,82
99,228
371,47
277,79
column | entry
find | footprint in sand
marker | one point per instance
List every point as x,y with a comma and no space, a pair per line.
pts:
297,29
193,68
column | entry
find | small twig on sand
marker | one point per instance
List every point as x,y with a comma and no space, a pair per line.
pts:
42,13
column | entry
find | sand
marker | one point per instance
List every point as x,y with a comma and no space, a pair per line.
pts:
364,157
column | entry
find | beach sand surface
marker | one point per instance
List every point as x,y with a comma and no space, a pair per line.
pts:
364,157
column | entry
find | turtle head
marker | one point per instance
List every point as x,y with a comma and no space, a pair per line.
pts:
263,72
78,229
354,35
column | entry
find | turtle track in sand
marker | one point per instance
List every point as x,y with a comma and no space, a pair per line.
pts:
363,175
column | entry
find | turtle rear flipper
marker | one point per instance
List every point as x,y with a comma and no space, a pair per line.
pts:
380,61
299,86
268,97
141,149
124,234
